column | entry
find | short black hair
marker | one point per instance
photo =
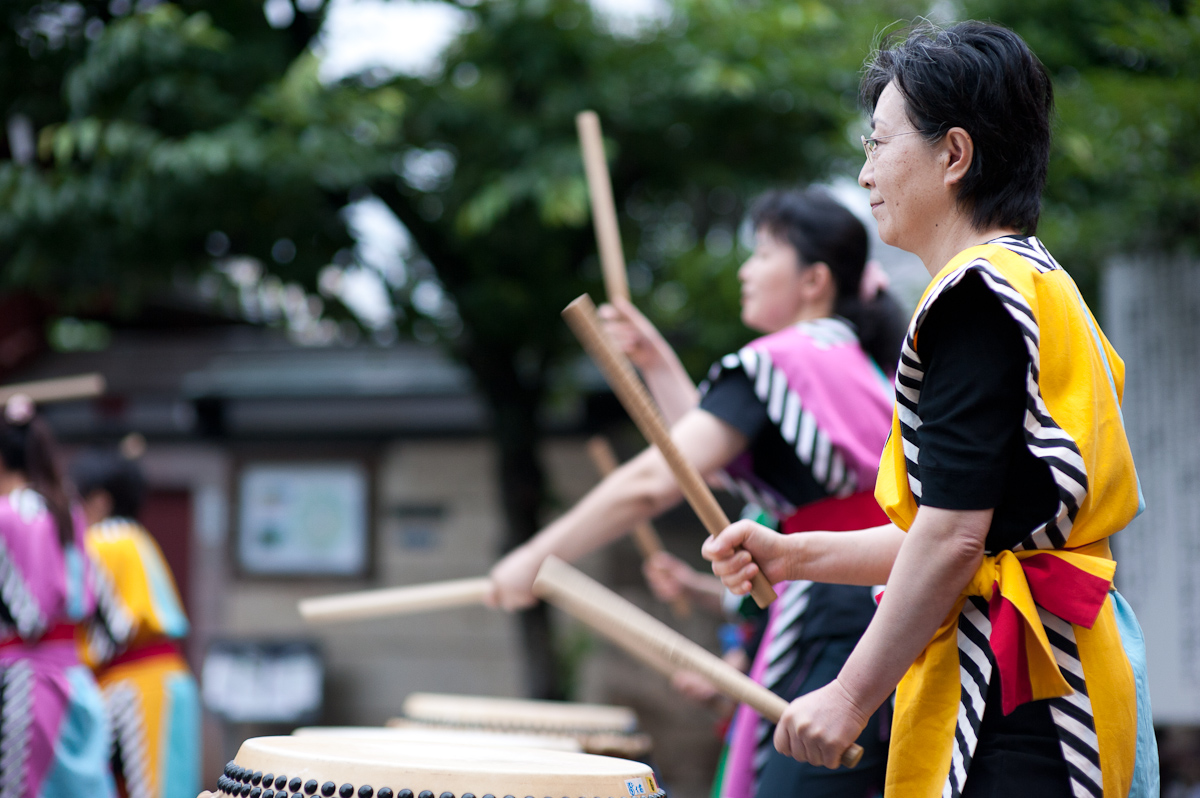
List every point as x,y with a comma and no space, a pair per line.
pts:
118,476
985,79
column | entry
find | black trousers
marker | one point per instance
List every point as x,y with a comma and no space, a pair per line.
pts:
1018,754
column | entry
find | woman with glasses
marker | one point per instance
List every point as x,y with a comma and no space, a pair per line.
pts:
796,420
1018,670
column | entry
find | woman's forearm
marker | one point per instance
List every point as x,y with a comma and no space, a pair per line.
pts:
937,560
671,387
638,490
863,557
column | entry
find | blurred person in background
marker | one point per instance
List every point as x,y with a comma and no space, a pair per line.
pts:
54,737
796,422
150,694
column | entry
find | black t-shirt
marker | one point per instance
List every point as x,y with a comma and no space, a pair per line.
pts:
731,398
973,454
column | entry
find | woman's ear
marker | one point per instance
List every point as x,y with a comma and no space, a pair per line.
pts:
960,153
820,278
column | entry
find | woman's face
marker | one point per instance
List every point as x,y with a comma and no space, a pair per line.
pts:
774,290
904,176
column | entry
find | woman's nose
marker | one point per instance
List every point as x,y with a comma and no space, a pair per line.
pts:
866,175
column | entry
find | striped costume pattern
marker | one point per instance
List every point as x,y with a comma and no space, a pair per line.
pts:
16,718
54,739
1056,327
125,713
797,423
1044,436
781,656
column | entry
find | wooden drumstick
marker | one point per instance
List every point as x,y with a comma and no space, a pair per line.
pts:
604,210
396,600
59,389
581,316
647,540
652,641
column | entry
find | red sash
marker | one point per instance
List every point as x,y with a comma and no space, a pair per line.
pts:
856,511
59,631
156,648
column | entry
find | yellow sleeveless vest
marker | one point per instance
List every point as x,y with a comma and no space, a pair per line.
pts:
1042,610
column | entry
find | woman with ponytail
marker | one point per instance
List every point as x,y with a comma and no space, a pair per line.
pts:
795,421
54,739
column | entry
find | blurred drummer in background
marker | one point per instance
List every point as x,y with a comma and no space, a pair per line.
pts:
151,696
53,736
795,422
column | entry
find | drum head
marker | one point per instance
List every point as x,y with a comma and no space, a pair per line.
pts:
429,734
512,713
357,768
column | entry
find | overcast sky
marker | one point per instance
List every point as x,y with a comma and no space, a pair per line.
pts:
408,35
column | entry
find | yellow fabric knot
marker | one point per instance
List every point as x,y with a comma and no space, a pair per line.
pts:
1071,584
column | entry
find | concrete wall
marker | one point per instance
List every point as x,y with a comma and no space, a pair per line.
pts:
373,665
1152,316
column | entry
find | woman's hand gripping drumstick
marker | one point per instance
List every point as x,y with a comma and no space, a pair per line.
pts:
581,316
655,643
644,537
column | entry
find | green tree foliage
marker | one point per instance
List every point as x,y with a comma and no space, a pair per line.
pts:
1125,171
153,130
724,101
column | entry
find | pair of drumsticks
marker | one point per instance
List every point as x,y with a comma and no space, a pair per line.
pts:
637,632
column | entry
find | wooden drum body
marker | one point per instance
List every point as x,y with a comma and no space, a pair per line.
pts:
287,767
598,728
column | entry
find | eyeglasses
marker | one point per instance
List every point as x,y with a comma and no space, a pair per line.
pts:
870,144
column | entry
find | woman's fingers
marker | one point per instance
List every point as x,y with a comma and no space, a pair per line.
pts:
663,581
728,541
731,563
738,577
635,317
694,686
491,599
512,580
515,599
627,336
